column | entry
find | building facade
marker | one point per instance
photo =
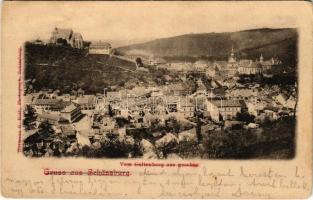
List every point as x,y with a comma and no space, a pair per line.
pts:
100,48
48,105
87,102
228,109
71,112
249,67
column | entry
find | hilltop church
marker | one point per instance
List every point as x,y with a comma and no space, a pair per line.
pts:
66,36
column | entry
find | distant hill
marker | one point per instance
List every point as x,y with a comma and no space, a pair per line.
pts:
247,44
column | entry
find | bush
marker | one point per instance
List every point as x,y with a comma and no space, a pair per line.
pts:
245,117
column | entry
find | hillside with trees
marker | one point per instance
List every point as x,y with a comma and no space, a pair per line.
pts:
65,68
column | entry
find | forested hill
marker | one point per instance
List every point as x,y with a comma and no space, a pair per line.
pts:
66,68
247,44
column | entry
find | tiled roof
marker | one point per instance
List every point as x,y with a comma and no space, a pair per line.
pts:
100,45
214,84
271,108
251,65
86,100
159,60
201,87
167,77
53,117
67,129
172,99
47,101
69,108
242,92
227,103
28,99
112,95
177,87
139,91
267,63
284,96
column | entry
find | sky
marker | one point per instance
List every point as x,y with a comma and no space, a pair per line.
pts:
148,20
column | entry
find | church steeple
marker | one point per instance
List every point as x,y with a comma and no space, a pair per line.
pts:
232,58
232,54
261,58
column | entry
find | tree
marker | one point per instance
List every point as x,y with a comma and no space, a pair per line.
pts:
139,62
45,128
296,104
245,117
155,124
121,121
29,117
113,146
172,125
198,127
110,111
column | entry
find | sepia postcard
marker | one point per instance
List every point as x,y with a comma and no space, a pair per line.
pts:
156,99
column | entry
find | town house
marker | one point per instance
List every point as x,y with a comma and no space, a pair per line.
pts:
228,108
100,48
87,102
71,112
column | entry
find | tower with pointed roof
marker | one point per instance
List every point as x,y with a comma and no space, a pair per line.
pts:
232,64
232,58
68,36
261,59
